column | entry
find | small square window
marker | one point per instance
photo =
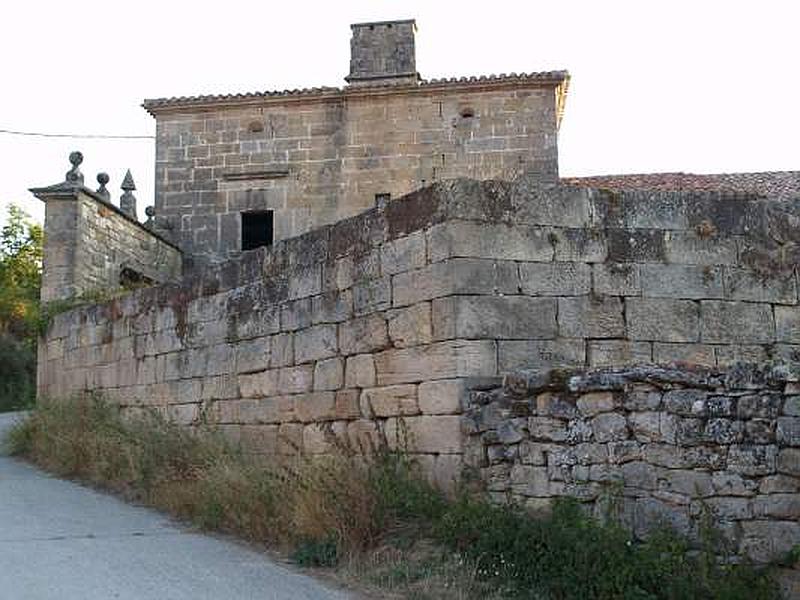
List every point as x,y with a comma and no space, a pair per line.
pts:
257,229
382,199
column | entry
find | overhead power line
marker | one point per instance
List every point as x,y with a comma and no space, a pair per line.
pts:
78,135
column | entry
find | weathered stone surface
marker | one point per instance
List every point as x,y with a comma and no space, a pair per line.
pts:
590,317
364,334
329,374
664,320
410,326
390,401
617,279
605,353
788,431
737,322
443,397
360,371
494,317
681,281
697,354
315,343
764,540
744,284
789,461
597,402
488,240
442,360
555,278
403,254
315,407
260,384
441,433
539,353
347,404
609,427
294,380
787,324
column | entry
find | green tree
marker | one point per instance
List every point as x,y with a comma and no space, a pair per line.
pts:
20,281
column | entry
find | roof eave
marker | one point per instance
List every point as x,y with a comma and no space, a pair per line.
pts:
556,79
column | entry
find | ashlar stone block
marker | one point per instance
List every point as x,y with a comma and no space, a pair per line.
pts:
494,317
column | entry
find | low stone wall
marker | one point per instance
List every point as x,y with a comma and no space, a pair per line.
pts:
649,445
90,245
384,322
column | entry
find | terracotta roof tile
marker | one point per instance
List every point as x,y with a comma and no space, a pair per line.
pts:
152,104
784,185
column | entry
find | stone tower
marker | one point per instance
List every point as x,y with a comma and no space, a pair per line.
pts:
383,53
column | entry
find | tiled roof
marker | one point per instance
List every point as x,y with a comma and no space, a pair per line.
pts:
556,77
783,185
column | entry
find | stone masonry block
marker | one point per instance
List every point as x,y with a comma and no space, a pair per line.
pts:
390,401
681,281
514,355
555,278
315,343
410,326
690,248
315,407
372,295
608,353
332,307
746,284
360,371
363,334
617,279
495,317
253,355
454,276
442,397
499,241
439,434
260,384
329,374
699,354
787,324
737,322
403,254
590,317
295,380
282,350
442,360
579,245
663,320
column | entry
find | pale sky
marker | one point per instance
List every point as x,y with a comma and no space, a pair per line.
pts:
700,86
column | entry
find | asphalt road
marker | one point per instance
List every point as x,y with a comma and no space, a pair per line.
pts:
62,541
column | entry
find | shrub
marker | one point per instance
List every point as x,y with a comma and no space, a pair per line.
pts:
18,374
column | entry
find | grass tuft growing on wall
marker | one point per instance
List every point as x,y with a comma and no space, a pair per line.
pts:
372,517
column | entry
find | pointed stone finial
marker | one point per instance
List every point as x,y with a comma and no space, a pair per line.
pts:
103,179
127,202
127,183
74,175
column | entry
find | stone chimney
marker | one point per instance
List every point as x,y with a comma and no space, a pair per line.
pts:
383,53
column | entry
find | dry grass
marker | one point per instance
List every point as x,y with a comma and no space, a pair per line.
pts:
367,512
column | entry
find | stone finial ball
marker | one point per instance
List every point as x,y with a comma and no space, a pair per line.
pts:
103,178
150,211
75,158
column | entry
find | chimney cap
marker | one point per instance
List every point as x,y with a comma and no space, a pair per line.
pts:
378,23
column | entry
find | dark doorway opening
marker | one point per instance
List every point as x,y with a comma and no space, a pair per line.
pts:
257,229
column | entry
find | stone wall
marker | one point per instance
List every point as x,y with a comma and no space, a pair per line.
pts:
385,322
89,243
320,156
650,445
